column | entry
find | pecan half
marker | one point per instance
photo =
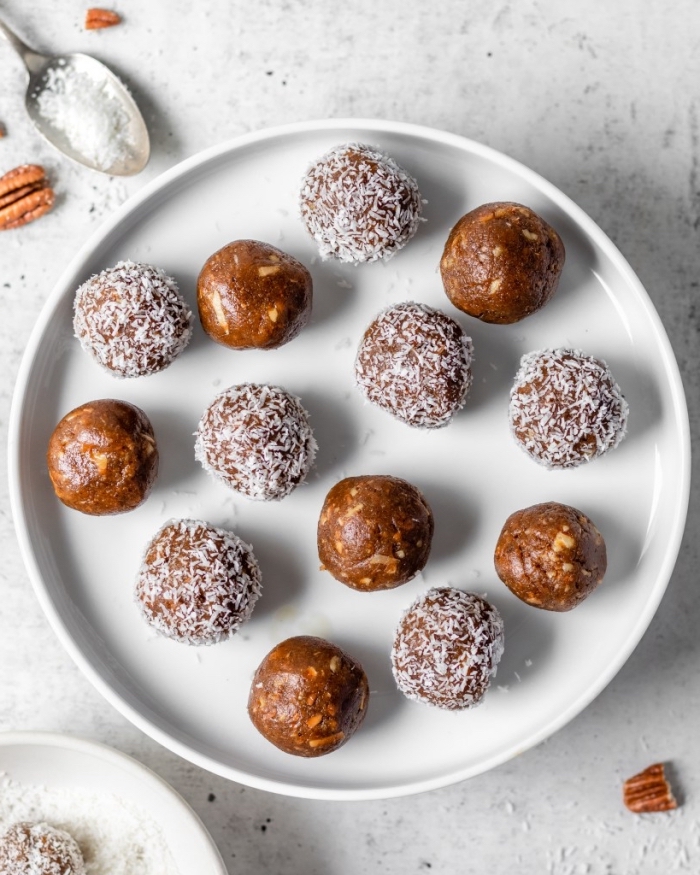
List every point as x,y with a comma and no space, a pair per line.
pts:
25,194
95,19
649,791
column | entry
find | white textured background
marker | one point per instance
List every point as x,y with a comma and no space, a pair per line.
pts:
602,99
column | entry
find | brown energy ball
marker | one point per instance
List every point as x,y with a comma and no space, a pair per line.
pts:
102,457
251,295
257,440
501,263
446,648
29,848
415,363
551,556
359,205
374,532
566,408
308,696
197,583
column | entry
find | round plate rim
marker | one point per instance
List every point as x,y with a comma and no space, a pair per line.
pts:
181,170
114,757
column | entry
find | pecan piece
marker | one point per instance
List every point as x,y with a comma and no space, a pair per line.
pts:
25,194
649,791
18,177
96,19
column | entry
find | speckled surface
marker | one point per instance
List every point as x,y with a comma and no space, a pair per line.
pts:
601,98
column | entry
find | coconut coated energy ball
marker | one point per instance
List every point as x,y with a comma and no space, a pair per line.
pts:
29,848
197,583
415,363
566,408
374,532
550,556
446,648
257,440
308,697
102,457
132,319
501,263
251,295
359,205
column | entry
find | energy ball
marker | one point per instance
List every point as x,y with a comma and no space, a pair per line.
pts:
550,556
415,363
132,319
308,697
29,848
359,205
253,296
257,440
446,648
374,532
102,457
197,583
501,263
566,408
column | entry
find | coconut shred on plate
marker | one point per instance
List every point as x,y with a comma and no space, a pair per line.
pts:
86,113
115,836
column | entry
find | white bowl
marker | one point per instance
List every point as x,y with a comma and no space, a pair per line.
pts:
58,763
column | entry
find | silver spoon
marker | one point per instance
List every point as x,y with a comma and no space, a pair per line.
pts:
105,131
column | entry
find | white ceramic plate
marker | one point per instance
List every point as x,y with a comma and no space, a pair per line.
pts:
472,473
62,763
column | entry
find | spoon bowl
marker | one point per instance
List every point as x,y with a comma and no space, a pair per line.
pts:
79,106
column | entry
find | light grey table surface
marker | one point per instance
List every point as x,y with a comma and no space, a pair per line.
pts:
602,99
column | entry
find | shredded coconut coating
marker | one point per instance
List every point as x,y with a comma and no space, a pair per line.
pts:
85,110
197,583
446,648
415,363
132,319
29,848
257,440
359,205
566,408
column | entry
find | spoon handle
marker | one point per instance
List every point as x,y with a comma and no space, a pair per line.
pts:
33,61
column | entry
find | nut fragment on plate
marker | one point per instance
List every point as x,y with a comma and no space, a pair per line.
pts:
649,791
96,19
25,194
